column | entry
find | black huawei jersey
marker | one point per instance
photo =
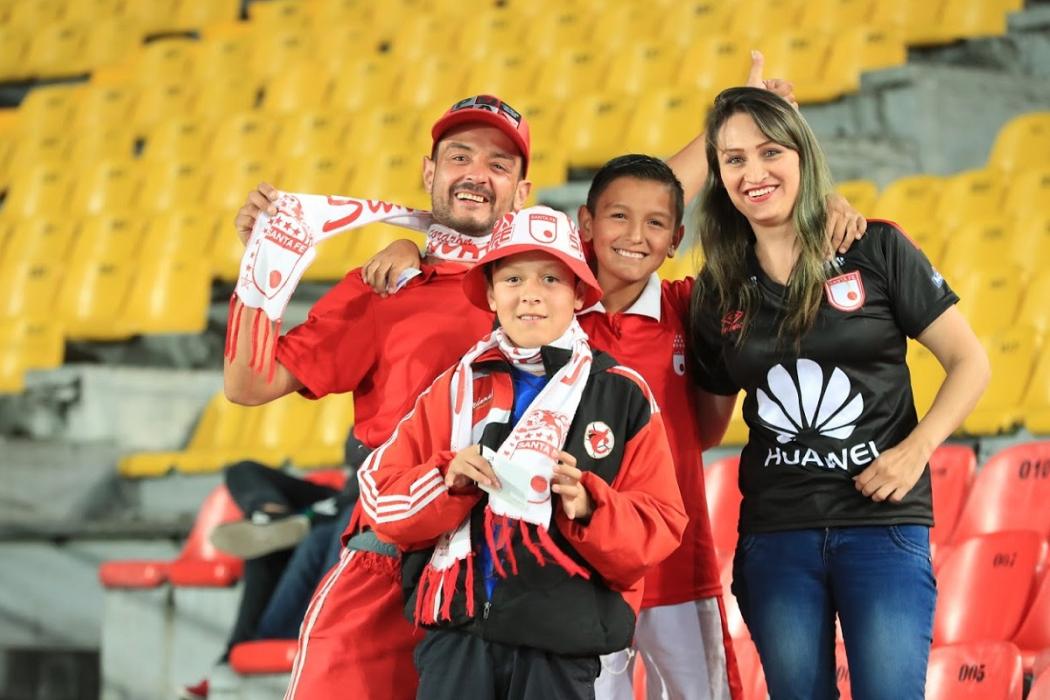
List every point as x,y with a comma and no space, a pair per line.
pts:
819,415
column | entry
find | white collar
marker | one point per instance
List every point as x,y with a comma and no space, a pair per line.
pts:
647,303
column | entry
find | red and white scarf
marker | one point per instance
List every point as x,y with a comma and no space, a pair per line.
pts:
281,247
524,464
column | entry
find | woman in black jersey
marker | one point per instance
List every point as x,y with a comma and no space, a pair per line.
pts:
837,508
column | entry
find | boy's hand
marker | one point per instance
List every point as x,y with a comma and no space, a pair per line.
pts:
467,468
845,225
259,200
575,500
777,86
384,268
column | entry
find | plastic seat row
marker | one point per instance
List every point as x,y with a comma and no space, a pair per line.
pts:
293,429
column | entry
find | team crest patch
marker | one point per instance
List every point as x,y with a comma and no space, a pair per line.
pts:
598,440
543,227
678,354
846,292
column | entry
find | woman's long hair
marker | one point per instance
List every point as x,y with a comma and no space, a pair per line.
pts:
726,234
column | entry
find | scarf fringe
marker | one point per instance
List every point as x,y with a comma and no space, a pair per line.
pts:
434,583
503,545
263,359
559,556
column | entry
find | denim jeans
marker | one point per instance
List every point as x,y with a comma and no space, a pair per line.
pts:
879,580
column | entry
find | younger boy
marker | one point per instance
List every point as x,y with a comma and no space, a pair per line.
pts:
534,478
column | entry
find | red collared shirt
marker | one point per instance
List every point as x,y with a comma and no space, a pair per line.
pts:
385,350
650,338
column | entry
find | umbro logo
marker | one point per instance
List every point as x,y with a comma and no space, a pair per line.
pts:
803,400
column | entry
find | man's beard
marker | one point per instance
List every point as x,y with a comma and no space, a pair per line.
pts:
467,225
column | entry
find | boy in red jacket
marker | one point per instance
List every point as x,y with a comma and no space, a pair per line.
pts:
532,485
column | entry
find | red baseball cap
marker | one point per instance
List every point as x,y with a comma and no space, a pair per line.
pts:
535,228
493,111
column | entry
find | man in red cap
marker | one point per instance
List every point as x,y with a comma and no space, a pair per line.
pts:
354,641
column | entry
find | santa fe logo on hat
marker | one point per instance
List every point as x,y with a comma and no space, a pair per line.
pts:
598,440
845,292
543,227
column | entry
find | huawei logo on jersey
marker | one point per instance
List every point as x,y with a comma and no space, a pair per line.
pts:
806,402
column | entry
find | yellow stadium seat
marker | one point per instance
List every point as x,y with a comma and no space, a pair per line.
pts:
116,142
89,11
13,63
663,121
108,40
298,87
45,237
803,57
548,167
544,118
168,296
509,75
931,240
366,242
639,67
832,16
106,186
161,100
989,295
151,17
220,427
318,174
12,373
393,177
752,18
1012,355
225,193
910,200
108,236
969,195
560,27
28,151
272,50
102,105
92,298
861,194
1028,193
223,52
39,342
1036,406
333,259
167,60
927,375
193,15
965,19
439,80
37,190
684,264
247,135
685,22
171,182
278,14
415,37
32,287
713,63
177,138
622,19
180,234
1023,142
48,109
217,98
269,434
1035,309
30,16
973,244
310,134
737,433
379,130
330,42
861,48
57,50
364,85
326,445
592,130
481,34
570,71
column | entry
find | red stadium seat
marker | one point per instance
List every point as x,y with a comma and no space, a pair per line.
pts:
263,656
951,471
984,587
1040,687
723,501
1034,633
198,560
978,670
1011,492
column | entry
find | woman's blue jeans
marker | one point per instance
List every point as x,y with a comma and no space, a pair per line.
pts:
879,580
